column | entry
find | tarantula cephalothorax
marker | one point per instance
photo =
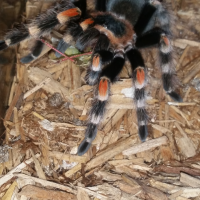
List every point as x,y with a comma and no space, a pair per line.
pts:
116,30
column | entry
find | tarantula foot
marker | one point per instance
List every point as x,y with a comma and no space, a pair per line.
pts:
62,47
143,133
91,133
83,147
175,96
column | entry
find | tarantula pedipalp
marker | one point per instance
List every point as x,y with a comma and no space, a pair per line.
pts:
117,30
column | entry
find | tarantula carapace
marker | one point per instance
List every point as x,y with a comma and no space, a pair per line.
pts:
116,30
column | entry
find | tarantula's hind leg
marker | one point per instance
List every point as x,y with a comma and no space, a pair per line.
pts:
157,37
35,52
167,68
139,81
107,76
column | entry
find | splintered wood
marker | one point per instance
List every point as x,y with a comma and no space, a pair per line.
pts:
48,110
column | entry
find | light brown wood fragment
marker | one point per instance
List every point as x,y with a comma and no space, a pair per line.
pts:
108,176
82,194
73,170
16,120
160,128
37,75
70,78
128,188
10,174
181,113
67,126
46,183
119,114
18,92
189,180
193,72
176,116
187,192
175,195
182,104
67,157
185,144
130,181
37,87
166,114
57,67
38,168
110,152
128,171
46,194
146,146
95,194
182,57
154,193
186,94
182,43
120,162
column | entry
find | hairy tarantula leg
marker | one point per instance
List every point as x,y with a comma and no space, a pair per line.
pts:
158,37
107,76
148,39
139,81
73,32
167,68
42,24
35,52
162,16
14,36
101,56
100,5
146,14
89,37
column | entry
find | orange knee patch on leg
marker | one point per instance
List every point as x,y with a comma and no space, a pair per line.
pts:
140,75
65,15
86,23
71,12
166,40
103,89
96,63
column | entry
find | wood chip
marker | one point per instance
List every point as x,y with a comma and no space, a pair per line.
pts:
146,146
46,194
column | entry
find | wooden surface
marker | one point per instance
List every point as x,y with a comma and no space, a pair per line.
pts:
44,129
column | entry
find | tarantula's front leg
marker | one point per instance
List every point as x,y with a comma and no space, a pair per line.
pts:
139,81
101,56
107,76
159,37
62,13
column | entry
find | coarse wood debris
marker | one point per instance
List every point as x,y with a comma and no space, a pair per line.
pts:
47,115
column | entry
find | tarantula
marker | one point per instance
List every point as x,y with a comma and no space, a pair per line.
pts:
116,30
